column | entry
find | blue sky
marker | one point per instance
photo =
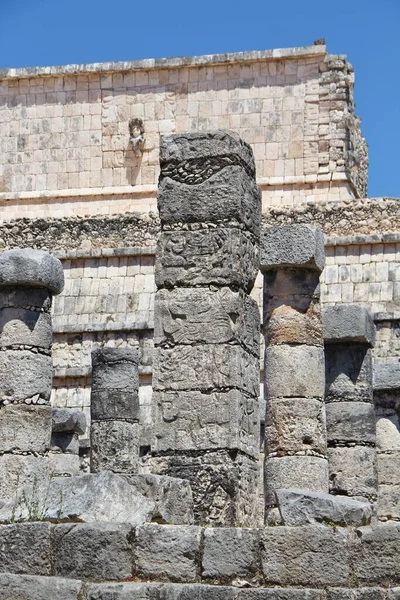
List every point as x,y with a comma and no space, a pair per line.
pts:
52,32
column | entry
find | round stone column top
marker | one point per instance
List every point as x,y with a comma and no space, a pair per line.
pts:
31,268
108,355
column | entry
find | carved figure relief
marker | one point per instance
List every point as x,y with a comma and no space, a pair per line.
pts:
137,135
196,171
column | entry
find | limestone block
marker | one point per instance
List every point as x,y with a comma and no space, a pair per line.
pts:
63,464
115,404
310,555
25,548
387,376
280,594
206,367
215,256
24,375
33,268
67,443
297,245
167,552
294,472
196,421
292,284
114,446
172,497
199,194
230,552
388,506
350,422
175,591
22,327
196,316
17,472
29,587
92,497
348,373
388,432
388,466
115,368
352,471
67,420
27,298
25,428
94,551
224,484
294,371
300,507
288,322
295,425
359,594
348,323
375,554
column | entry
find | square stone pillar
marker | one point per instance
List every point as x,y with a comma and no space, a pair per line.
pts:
206,358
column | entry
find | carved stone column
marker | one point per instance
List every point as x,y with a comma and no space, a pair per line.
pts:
349,333
206,360
114,409
292,258
28,280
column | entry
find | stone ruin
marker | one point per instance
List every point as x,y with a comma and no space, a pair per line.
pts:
206,514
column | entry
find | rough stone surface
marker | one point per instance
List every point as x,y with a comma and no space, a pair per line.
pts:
22,471
169,591
300,507
64,464
32,268
294,371
199,316
22,327
26,587
67,420
295,425
114,446
348,323
102,497
217,256
172,497
374,554
293,322
115,404
308,556
95,551
291,284
25,428
230,553
387,376
348,373
67,443
25,548
361,594
206,367
352,471
167,552
292,245
25,383
294,472
115,368
197,421
348,422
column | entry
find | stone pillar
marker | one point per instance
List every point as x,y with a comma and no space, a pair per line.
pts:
349,334
114,410
292,258
67,426
28,280
206,358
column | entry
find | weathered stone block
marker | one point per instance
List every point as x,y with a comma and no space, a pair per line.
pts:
292,246
25,428
20,327
294,371
24,375
95,551
294,472
18,471
388,468
352,471
115,369
348,373
350,422
203,316
311,555
295,425
230,193
348,323
387,431
299,507
375,555
229,553
281,594
67,443
361,594
216,256
387,376
196,421
114,446
170,552
172,497
67,420
287,322
28,587
26,298
33,268
388,502
224,485
25,548
115,404
63,464
206,367
170,591
292,284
